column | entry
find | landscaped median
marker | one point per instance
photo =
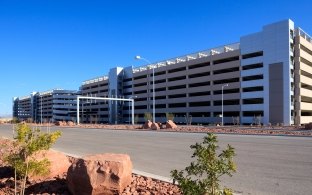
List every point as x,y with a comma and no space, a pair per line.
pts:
90,173
170,126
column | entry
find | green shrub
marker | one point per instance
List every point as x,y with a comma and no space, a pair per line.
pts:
169,116
28,141
147,116
202,177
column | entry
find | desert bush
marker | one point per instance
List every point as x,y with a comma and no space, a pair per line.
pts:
202,177
147,116
169,116
136,119
27,142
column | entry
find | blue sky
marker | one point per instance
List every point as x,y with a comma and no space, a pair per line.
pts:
48,44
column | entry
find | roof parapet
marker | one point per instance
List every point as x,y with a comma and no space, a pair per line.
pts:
306,36
24,97
95,80
49,91
189,57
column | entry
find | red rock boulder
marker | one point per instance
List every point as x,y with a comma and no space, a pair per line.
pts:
171,125
308,126
155,126
147,125
160,125
70,123
59,164
100,174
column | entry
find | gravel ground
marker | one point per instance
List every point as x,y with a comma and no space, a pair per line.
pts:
249,130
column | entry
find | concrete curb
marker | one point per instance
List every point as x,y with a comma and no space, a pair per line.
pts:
158,177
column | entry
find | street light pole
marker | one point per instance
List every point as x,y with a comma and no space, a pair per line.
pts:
131,97
226,85
140,58
41,110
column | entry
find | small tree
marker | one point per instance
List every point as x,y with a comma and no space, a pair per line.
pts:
136,119
28,141
15,120
235,120
257,120
169,116
202,176
147,116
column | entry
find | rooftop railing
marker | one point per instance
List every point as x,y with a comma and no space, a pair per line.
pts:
189,57
306,36
24,97
49,92
98,79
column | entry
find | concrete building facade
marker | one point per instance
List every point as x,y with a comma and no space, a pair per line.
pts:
49,106
266,73
264,78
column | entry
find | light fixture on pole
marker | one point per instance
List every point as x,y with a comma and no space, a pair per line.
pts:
41,110
131,97
226,85
140,58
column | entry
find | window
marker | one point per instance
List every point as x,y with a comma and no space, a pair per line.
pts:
253,77
177,69
307,74
307,62
158,73
199,75
231,59
159,89
140,77
252,89
252,66
226,114
253,113
126,80
226,102
177,96
203,93
140,99
199,114
139,84
226,91
199,104
305,49
140,92
159,81
105,84
177,78
158,106
140,107
224,81
199,65
252,55
177,105
160,97
177,87
226,70
126,87
199,84
253,101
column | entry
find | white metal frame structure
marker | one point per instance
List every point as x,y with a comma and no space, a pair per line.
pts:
104,98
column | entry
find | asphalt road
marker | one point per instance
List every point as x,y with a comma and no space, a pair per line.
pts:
266,164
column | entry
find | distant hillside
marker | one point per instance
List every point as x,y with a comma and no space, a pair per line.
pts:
6,116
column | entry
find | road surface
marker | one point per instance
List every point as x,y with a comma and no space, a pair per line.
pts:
266,164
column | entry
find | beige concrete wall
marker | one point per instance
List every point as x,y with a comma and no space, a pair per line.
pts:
300,92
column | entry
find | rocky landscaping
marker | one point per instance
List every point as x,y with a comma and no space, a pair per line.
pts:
66,182
277,129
